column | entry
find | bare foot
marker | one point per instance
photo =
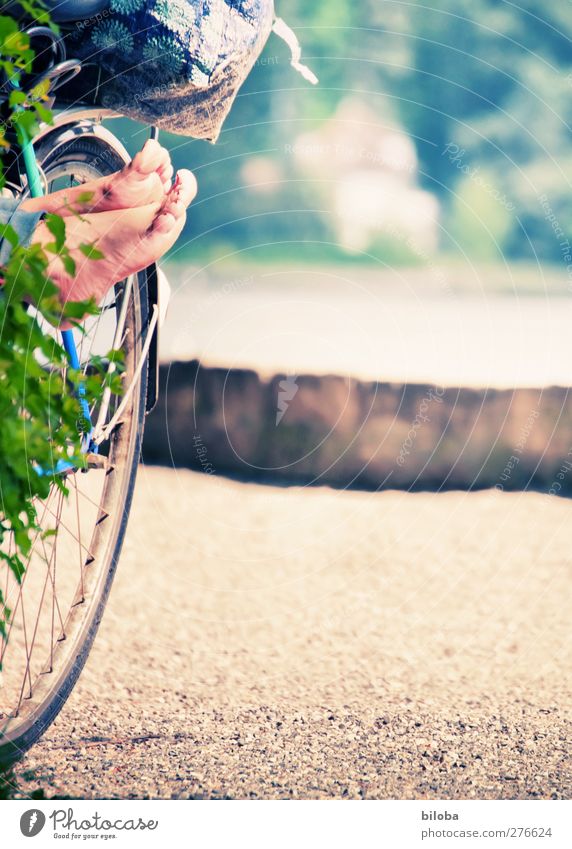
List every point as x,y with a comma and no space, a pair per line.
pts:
130,240
145,180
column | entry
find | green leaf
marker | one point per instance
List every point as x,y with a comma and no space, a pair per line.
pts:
8,232
16,97
69,264
77,309
44,114
90,251
57,227
85,197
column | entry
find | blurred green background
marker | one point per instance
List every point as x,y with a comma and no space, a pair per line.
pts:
436,129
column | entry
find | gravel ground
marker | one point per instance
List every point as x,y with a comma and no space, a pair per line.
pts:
294,643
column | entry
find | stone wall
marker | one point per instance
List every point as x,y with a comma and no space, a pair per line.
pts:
343,431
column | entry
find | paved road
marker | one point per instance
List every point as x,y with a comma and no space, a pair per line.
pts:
289,643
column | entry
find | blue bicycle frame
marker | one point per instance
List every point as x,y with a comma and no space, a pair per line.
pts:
37,190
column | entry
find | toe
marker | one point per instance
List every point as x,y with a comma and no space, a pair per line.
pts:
148,157
166,175
165,168
120,196
184,189
164,222
179,196
151,189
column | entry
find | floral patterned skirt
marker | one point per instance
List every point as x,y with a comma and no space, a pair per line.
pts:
176,64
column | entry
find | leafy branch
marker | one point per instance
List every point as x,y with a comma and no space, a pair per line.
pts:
41,420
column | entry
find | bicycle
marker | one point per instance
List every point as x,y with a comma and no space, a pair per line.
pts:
57,608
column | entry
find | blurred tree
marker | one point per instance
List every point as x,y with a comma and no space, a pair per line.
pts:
492,82
488,76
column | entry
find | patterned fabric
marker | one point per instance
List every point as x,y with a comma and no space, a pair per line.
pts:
177,64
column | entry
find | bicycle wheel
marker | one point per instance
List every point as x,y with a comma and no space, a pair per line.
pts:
58,606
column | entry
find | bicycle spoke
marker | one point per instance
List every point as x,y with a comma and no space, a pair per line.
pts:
27,672
92,335
73,536
87,498
28,649
107,307
55,605
33,642
81,564
55,602
24,577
